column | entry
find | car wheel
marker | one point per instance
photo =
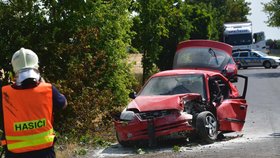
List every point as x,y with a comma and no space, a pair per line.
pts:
207,126
123,143
244,67
267,65
274,67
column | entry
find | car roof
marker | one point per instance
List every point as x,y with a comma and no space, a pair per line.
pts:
241,51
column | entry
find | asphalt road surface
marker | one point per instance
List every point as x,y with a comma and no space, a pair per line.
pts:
260,136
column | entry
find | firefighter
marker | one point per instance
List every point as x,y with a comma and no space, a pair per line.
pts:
27,109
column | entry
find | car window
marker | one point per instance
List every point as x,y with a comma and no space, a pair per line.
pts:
235,54
261,54
192,57
218,88
243,54
176,84
255,55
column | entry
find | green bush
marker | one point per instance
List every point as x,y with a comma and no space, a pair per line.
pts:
82,47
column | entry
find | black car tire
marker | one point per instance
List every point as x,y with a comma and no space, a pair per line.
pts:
123,143
207,126
267,64
244,67
274,67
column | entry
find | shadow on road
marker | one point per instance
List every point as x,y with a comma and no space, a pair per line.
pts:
265,75
275,135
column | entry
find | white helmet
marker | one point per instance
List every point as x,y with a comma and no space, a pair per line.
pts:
23,59
25,65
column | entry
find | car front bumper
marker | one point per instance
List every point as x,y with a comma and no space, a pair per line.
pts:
139,129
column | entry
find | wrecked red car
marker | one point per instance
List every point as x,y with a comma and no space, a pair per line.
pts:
182,103
207,55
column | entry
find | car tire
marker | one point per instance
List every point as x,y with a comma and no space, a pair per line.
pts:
123,143
207,126
267,64
244,67
274,67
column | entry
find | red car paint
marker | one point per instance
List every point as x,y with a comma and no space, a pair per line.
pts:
205,43
167,114
228,68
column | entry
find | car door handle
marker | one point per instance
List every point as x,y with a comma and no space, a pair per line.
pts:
242,107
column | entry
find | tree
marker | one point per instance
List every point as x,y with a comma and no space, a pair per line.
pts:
162,24
151,26
236,10
272,9
82,47
225,11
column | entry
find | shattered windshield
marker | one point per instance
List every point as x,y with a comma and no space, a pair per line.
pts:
171,85
193,57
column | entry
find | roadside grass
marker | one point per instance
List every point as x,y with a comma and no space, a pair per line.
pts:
176,148
82,144
67,151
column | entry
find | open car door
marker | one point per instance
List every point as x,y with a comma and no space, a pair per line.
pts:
231,113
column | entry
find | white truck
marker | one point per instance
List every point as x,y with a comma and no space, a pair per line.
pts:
241,37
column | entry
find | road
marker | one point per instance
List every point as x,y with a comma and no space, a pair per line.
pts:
260,136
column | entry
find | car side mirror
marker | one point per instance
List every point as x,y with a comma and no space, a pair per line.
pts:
132,95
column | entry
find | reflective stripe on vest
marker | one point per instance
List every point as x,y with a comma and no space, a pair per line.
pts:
28,116
30,137
32,140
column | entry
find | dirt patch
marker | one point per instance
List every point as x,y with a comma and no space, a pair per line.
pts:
136,60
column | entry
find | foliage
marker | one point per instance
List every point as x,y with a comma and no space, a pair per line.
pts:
81,151
82,47
273,44
236,11
151,26
161,24
272,9
225,11
176,148
140,151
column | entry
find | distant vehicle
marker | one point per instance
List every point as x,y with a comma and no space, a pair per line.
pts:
182,103
245,59
241,37
205,55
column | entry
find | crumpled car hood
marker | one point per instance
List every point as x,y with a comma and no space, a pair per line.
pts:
154,103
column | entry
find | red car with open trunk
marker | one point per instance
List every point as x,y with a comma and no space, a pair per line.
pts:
206,55
180,103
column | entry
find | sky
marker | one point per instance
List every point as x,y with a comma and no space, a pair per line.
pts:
258,18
